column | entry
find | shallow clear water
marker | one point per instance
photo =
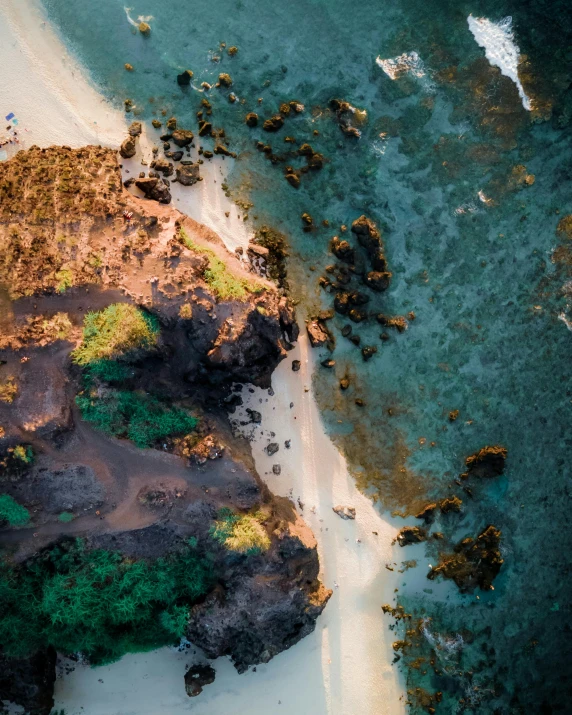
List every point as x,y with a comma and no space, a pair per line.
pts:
476,271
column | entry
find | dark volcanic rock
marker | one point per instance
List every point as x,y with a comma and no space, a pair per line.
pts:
476,562
263,610
427,513
128,148
188,175
197,677
184,79
29,682
342,250
487,462
296,365
411,535
182,137
154,189
378,281
367,232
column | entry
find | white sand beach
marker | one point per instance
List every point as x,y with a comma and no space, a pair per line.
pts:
344,667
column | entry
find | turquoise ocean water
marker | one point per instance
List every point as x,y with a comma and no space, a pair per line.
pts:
442,166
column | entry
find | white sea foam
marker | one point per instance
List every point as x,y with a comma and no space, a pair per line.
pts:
501,50
140,19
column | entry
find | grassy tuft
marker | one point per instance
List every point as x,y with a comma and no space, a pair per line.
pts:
64,279
115,331
65,517
8,390
12,512
139,417
224,284
98,602
241,533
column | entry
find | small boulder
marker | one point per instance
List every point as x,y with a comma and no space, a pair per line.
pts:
188,175
251,119
317,334
171,123
272,448
345,512
225,80
182,137
293,180
135,129
296,365
154,189
162,166
128,147
197,677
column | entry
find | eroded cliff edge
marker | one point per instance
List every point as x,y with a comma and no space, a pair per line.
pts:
124,460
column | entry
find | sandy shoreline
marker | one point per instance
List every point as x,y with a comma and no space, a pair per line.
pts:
344,667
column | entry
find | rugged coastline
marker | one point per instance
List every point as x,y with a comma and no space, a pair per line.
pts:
216,324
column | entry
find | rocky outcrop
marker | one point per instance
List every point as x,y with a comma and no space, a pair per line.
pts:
475,563
345,512
128,147
29,682
317,333
411,535
182,137
154,189
266,608
487,462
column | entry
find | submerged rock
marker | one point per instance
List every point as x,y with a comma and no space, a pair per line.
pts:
251,119
476,562
184,79
367,232
345,512
342,250
225,80
411,535
487,462
274,123
197,677
378,281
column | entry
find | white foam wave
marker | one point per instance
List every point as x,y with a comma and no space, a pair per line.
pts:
501,50
140,19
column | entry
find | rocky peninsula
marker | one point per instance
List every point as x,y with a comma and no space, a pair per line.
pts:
128,333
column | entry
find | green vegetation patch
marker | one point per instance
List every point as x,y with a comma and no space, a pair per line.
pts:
16,460
98,602
65,517
139,417
12,512
242,533
225,284
8,390
115,331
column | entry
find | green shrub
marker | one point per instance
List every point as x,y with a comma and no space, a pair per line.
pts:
12,512
241,533
115,331
16,460
64,279
65,517
139,417
98,602
225,284
106,371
